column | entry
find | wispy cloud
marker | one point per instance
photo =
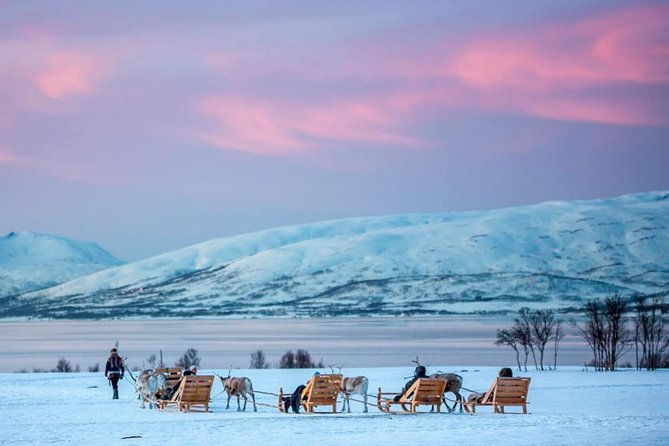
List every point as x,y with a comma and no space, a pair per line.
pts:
573,71
551,71
69,73
291,127
628,45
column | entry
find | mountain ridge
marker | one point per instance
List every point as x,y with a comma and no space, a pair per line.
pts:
31,261
550,255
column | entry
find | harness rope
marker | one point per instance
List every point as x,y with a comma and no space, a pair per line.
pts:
273,406
266,393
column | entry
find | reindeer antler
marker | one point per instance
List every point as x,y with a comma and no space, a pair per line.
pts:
230,371
416,361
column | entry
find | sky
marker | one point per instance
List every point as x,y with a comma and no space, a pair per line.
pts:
150,126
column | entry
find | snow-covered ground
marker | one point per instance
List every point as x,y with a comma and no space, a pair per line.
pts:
569,406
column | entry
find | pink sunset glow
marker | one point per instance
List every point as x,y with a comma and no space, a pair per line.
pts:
626,45
67,74
545,71
265,113
285,129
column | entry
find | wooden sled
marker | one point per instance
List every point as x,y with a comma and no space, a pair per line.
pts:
321,390
503,392
193,391
424,391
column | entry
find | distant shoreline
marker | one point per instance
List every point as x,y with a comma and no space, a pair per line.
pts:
225,343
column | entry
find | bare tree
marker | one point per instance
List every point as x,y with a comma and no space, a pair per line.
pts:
258,360
300,360
605,331
541,323
523,338
189,359
617,339
287,360
506,337
151,361
558,334
650,331
591,331
303,360
523,327
63,366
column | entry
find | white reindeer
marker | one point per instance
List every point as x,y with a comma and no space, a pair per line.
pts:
148,384
354,385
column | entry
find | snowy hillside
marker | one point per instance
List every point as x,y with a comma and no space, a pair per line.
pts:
555,255
30,261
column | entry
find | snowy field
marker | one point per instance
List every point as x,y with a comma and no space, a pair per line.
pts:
569,406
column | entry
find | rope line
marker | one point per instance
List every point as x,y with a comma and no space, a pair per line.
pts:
266,393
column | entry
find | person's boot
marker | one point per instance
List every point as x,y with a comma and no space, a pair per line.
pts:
115,397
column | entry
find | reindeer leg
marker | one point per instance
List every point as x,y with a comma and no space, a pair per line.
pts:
239,408
246,400
253,395
228,405
364,398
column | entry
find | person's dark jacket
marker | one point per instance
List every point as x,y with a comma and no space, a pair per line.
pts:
420,372
114,366
294,401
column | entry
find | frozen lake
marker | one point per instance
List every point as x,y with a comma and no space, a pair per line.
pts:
222,343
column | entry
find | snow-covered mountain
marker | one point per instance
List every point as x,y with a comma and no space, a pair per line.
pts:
554,255
31,261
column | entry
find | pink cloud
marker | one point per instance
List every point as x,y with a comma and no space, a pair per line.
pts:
287,128
249,126
69,73
626,45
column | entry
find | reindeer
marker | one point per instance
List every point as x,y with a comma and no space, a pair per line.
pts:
148,384
351,385
357,385
238,387
453,385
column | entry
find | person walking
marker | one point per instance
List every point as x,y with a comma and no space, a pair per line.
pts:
114,370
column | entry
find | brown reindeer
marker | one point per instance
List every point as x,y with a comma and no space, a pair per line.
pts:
357,385
453,385
238,387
